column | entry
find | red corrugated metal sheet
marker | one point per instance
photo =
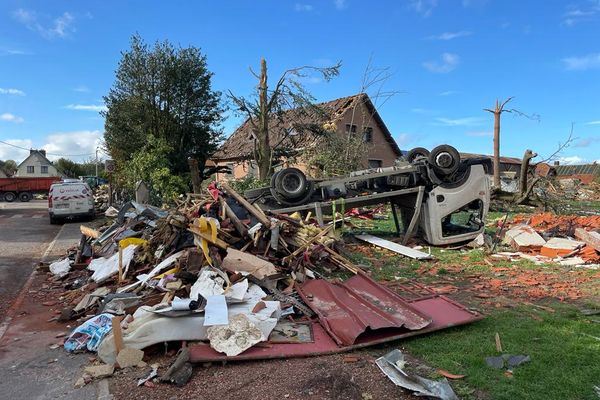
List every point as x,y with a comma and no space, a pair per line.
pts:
347,310
444,312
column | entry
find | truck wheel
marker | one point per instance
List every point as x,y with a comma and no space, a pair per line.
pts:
53,220
445,159
416,153
9,197
25,196
291,183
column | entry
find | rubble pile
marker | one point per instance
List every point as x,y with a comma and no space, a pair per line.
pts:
567,239
222,272
101,198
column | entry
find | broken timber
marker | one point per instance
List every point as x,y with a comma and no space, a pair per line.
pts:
395,247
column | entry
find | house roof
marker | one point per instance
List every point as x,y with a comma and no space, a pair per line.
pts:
33,153
503,160
584,169
240,144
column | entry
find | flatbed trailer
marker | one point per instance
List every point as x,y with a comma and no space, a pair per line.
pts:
23,188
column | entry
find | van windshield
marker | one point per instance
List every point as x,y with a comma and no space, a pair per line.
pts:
466,219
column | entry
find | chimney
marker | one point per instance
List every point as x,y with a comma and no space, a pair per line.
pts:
556,163
43,152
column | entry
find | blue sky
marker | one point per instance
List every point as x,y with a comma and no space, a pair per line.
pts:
449,59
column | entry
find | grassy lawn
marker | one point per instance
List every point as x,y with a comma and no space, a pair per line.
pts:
564,345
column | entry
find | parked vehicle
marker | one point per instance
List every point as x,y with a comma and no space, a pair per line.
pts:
23,189
70,199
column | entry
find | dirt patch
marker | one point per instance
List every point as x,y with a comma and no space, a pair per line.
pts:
326,377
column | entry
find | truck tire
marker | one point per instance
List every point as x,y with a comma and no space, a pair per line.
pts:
445,159
291,183
25,196
9,197
416,153
53,220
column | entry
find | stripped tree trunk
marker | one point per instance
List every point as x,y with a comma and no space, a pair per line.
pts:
263,146
497,112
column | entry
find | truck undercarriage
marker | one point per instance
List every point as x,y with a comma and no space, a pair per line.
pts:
433,194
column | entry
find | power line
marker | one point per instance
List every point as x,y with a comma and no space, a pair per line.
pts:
49,154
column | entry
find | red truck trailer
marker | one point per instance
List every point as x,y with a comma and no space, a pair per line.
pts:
24,188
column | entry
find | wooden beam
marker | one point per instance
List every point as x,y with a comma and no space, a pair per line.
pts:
257,212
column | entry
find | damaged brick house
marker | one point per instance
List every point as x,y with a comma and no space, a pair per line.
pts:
353,115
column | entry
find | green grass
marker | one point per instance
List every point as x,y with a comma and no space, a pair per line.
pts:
565,362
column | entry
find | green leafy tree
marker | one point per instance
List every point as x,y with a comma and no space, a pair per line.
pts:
9,167
163,92
151,165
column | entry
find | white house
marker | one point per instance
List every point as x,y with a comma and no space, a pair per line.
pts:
36,165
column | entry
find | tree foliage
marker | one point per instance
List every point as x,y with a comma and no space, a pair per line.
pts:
336,154
162,93
9,167
270,104
73,169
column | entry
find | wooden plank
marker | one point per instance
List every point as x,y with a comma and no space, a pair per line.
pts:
258,213
395,247
117,334
239,226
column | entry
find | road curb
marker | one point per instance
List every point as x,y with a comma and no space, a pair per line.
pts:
21,296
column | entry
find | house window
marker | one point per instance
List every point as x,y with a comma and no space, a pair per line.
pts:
368,135
44,169
375,163
350,128
30,169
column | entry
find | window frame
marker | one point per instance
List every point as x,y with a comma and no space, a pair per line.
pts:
31,169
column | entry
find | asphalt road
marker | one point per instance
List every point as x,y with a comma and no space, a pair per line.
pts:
30,369
25,233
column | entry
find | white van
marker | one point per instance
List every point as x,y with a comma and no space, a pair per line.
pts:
70,198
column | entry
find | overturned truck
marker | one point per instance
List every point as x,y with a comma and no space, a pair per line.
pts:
434,194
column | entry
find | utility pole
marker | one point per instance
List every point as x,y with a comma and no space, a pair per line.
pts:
96,164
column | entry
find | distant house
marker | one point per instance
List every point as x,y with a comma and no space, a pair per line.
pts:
345,116
586,173
510,167
36,165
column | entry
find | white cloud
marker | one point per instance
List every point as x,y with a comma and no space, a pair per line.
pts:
8,117
480,133
448,92
77,146
13,91
87,107
12,153
586,142
590,61
450,35
467,121
81,89
586,11
59,27
340,4
593,123
571,160
403,139
423,7
12,52
448,63
303,7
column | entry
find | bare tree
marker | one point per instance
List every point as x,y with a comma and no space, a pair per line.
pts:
288,93
497,111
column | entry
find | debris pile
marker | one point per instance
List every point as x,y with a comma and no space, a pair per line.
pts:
567,239
219,271
101,198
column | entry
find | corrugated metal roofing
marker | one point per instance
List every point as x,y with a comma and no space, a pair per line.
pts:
584,169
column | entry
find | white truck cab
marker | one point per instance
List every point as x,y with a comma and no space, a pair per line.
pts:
70,199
